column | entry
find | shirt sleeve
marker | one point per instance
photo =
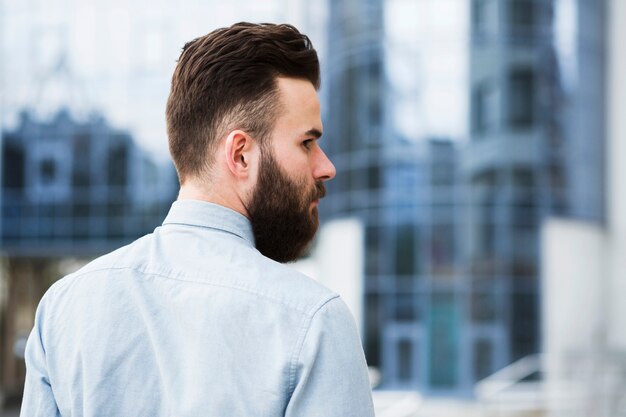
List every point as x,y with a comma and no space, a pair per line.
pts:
330,376
38,397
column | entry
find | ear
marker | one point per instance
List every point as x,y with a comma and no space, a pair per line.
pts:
241,153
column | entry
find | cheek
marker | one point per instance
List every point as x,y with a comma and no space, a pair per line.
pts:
304,187
298,170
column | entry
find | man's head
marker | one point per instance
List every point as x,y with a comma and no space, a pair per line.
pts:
227,80
243,121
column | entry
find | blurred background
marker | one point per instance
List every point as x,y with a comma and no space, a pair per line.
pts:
477,223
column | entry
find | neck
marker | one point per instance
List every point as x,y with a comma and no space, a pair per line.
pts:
223,196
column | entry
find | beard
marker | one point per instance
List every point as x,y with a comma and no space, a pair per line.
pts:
283,221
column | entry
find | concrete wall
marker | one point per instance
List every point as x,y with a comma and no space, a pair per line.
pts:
337,262
573,293
586,265
616,167
584,273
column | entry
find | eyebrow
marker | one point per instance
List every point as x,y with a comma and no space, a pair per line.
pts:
313,132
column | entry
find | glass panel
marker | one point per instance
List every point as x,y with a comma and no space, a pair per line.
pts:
521,98
372,250
484,19
479,17
373,324
524,323
483,306
373,176
405,361
406,307
13,171
442,173
485,108
521,20
444,331
479,109
47,171
483,359
406,250
442,250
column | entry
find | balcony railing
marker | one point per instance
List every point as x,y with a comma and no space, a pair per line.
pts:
592,386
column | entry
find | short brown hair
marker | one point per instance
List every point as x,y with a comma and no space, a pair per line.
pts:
227,80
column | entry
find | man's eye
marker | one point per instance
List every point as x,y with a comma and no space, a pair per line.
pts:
307,143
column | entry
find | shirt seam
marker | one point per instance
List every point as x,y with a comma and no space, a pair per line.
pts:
186,279
304,331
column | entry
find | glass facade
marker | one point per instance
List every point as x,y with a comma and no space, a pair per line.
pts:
449,123
77,188
522,154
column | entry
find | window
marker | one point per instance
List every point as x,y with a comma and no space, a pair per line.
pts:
117,166
484,19
442,250
483,305
523,178
442,173
479,17
406,250
485,192
81,170
405,361
558,188
47,171
521,98
13,167
406,307
373,324
373,250
521,20
479,109
444,333
373,177
524,322
374,98
484,108
524,199
482,359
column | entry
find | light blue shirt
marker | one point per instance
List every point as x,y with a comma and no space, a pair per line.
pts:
192,320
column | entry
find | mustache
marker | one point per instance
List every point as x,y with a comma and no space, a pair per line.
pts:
320,190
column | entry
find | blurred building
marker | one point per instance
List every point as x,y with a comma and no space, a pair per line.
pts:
452,264
513,168
404,192
536,150
77,188
582,368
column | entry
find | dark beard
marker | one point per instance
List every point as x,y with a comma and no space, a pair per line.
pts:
283,221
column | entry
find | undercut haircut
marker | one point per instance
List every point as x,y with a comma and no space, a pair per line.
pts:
227,80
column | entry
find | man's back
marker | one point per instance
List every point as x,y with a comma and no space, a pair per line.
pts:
193,320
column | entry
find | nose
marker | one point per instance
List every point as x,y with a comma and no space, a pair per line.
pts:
324,169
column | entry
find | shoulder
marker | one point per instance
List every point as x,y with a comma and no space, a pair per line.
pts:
117,260
293,288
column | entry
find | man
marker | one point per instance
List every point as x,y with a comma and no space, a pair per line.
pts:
201,318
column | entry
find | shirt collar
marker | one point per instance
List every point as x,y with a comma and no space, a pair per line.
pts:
204,214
